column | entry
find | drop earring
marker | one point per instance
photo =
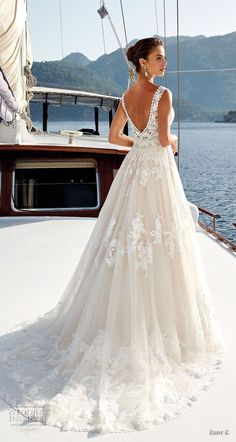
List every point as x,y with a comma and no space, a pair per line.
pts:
131,74
145,71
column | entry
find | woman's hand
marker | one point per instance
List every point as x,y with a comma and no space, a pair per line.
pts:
174,144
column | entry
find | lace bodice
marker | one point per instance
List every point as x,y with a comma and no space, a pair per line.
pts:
149,135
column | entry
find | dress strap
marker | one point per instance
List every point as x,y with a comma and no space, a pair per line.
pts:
159,93
123,104
157,97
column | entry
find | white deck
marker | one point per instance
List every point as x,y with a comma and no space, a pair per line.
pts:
57,139
88,141
37,257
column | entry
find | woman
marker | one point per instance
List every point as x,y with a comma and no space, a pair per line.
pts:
148,65
134,339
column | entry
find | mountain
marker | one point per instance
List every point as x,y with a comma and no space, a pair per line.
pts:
205,95
77,58
214,89
64,74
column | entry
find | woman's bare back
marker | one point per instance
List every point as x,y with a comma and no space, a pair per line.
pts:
138,105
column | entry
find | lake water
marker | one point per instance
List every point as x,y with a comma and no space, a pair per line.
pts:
207,167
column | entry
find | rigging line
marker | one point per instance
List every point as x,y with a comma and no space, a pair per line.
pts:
104,48
61,28
123,19
164,18
202,70
103,13
178,77
165,43
103,34
126,39
155,2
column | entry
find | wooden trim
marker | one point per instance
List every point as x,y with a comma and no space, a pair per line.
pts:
63,148
75,213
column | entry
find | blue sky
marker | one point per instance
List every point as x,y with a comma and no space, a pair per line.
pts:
82,31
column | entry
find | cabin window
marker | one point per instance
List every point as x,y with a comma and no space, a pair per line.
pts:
50,185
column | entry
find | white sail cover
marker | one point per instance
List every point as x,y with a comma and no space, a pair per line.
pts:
14,46
8,104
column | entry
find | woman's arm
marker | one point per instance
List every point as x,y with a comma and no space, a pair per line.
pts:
164,109
116,135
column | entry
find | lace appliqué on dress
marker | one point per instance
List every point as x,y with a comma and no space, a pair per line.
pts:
150,162
141,243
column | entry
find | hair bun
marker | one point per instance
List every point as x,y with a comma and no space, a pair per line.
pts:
141,49
130,53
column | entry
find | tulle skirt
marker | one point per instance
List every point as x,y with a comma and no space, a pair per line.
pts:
133,340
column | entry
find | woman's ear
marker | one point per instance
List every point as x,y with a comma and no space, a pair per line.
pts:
142,62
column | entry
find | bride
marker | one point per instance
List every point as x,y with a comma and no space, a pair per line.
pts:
134,339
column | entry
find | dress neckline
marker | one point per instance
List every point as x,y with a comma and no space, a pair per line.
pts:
150,111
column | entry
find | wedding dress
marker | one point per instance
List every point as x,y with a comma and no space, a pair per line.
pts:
134,339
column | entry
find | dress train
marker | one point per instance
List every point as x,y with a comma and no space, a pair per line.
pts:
134,339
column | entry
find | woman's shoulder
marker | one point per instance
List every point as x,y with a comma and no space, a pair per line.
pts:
164,88
166,93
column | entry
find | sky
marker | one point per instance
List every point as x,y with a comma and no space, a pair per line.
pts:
82,29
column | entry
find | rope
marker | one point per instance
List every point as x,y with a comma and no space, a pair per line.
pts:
202,70
103,34
165,44
155,3
164,20
30,79
131,69
27,119
178,77
123,19
103,13
61,29
104,47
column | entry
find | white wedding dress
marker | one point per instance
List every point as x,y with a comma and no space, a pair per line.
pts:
134,339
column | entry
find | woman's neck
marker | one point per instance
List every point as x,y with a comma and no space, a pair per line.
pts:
145,82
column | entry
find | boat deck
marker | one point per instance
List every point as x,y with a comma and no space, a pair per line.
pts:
54,140
37,257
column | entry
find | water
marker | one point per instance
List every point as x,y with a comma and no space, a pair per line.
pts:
207,169
207,166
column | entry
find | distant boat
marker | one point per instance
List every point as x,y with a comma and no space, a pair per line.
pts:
230,117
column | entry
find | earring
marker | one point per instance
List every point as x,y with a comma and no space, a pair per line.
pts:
131,74
145,71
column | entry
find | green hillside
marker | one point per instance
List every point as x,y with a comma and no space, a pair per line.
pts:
205,96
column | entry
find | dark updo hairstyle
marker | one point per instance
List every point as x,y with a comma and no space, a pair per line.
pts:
142,49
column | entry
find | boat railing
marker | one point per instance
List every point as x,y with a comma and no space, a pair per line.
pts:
212,231
213,216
